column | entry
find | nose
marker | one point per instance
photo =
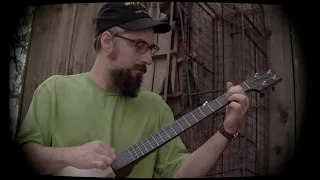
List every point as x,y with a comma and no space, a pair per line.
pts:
146,58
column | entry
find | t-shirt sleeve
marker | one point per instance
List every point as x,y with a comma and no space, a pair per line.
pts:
36,125
171,155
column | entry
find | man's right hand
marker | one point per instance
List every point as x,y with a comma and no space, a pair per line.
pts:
94,154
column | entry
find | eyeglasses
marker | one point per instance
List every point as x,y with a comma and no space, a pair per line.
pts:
142,46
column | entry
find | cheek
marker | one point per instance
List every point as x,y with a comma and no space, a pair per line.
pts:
129,56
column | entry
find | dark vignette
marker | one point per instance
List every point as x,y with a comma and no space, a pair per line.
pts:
299,165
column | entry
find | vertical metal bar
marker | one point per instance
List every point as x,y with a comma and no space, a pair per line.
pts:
256,99
223,82
182,104
266,143
188,11
243,61
168,54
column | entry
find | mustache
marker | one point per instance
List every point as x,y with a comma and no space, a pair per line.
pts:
140,67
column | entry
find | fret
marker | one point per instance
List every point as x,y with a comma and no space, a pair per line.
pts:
214,105
170,131
130,153
173,129
143,146
164,135
223,99
202,112
206,110
146,144
218,102
152,142
137,149
176,127
246,86
190,119
149,143
155,140
164,129
194,117
186,120
182,123
208,105
135,152
160,136
179,125
197,114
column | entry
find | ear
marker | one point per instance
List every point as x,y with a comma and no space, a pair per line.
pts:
106,41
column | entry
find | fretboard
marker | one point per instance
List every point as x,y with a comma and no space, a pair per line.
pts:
169,132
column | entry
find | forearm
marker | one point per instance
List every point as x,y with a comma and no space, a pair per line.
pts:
198,163
46,160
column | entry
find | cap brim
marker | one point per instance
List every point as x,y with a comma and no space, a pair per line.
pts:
146,23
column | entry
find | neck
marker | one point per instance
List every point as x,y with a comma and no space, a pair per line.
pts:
100,73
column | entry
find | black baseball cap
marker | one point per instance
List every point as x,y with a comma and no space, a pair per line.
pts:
129,16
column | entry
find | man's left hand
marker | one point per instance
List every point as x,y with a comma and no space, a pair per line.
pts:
236,110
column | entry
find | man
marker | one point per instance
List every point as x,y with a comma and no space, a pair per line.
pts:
83,120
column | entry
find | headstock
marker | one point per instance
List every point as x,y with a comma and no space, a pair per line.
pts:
262,81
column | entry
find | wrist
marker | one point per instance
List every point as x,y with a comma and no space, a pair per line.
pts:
65,156
69,156
230,133
230,128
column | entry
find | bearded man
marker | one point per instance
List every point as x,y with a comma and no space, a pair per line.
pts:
84,120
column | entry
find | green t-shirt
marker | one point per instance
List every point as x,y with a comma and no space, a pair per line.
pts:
73,110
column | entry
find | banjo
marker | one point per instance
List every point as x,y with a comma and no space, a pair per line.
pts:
258,82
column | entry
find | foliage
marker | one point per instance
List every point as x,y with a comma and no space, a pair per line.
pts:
18,54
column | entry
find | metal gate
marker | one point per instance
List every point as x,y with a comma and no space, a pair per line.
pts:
226,42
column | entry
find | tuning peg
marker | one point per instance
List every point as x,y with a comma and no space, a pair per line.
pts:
274,77
261,95
264,83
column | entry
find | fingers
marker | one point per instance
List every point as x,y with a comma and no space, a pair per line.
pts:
235,90
102,162
236,106
229,85
103,145
239,98
112,156
107,160
99,165
106,150
105,154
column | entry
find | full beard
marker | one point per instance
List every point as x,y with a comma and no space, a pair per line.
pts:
125,83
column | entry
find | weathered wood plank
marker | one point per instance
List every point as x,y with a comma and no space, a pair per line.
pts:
60,37
281,102
81,40
174,59
93,10
161,69
37,59
300,84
